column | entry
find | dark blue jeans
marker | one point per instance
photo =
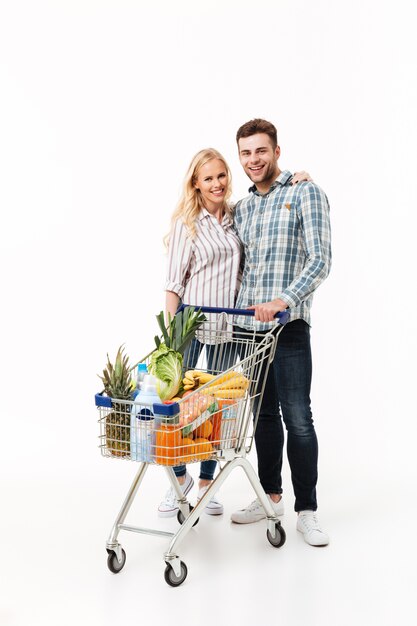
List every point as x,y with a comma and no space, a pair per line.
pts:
218,359
287,392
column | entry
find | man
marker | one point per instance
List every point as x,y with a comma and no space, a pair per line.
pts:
285,231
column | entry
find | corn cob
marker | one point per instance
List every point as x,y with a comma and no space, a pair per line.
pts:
228,394
235,383
226,377
234,386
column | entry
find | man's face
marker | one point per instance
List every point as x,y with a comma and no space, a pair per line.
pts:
259,160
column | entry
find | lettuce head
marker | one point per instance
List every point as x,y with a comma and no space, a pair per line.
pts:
166,366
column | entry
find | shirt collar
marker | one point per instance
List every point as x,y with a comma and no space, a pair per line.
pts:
204,214
282,180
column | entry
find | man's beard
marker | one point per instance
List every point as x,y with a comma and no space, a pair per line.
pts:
268,175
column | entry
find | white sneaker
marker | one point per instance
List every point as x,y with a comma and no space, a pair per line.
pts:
169,506
308,524
214,507
255,511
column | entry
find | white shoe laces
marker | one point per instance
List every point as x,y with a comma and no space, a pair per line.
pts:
311,522
253,506
202,493
170,498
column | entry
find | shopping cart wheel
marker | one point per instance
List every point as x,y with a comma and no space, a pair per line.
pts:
112,562
171,578
280,537
181,518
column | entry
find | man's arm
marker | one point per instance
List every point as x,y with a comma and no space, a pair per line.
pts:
313,214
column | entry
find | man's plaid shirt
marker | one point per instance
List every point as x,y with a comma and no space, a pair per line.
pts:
286,239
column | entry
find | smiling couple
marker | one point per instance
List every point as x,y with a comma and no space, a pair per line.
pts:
268,253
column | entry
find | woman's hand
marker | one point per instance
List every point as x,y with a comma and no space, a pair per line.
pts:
299,177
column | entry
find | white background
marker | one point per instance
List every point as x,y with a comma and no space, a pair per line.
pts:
102,106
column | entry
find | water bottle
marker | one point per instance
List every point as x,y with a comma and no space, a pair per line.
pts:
141,373
142,422
142,370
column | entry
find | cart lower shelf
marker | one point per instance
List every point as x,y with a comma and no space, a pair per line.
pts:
176,570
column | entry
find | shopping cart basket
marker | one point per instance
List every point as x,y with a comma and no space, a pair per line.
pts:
216,420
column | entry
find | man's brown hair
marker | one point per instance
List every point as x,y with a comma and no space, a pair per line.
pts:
253,127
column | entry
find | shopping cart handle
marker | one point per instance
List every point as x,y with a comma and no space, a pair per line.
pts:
102,400
282,316
169,409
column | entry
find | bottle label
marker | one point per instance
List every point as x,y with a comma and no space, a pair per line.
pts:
229,425
142,433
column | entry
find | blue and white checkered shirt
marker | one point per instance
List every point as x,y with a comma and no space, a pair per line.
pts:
286,239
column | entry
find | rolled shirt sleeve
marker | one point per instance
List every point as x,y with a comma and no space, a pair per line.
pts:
314,219
179,258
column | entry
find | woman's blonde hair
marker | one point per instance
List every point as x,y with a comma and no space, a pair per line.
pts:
190,202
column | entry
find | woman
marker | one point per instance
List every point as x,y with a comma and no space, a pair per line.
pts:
204,256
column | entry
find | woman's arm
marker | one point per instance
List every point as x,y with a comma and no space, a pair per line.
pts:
178,263
171,303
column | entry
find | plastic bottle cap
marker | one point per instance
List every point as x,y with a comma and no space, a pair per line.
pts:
149,384
142,367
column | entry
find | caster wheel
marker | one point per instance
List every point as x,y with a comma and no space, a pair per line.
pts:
280,537
112,562
181,518
171,578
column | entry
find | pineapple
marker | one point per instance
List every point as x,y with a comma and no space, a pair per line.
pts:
118,384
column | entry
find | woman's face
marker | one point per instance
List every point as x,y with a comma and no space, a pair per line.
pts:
213,182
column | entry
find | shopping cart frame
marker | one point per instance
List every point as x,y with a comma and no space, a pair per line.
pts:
176,570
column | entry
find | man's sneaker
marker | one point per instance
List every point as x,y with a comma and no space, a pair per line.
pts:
169,505
308,524
255,511
214,507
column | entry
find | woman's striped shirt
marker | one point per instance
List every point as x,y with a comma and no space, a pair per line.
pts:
204,270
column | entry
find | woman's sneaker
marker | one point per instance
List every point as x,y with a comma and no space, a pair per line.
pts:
169,505
214,507
308,525
255,511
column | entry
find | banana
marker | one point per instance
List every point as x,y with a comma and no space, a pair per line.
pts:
190,373
191,378
190,381
205,377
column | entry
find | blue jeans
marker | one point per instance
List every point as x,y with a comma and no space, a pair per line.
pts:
215,362
287,389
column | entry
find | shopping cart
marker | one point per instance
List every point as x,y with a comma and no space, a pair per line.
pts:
216,420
